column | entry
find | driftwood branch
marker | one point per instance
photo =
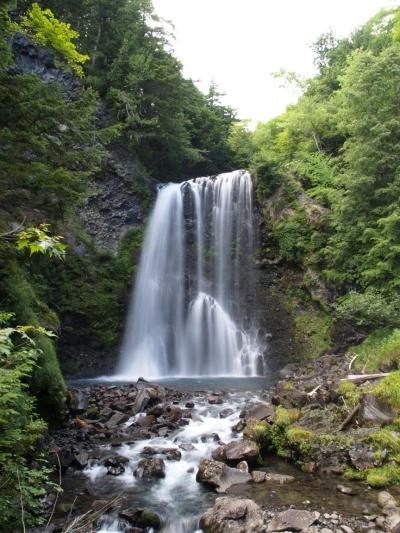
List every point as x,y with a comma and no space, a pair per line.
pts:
313,392
359,378
349,417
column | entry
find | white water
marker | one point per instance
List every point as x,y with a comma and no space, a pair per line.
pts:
193,278
177,498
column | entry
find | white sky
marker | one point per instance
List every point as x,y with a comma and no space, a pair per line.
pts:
239,43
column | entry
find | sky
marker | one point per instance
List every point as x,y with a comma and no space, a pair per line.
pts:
238,44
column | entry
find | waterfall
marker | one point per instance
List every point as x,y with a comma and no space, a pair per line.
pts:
189,310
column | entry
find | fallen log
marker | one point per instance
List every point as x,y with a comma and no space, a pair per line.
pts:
349,418
359,378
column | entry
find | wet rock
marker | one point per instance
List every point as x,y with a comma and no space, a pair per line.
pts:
235,515
66,456
81,459
385,499
364,456
292,519
147,421
392,522
243,466
141,517
187,446
373,412
150,468
279,478
239,427
172,454
208,437
116,460
219,453
261,411
141,401
344,489
245,450
116,420
219,476
214,400
173,414
288,371
189,404
77,401
115,470
226,412
258,476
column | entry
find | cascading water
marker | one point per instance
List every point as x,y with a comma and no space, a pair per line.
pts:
186,316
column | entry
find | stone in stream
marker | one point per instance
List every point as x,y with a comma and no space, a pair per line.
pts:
385,499
150,468
214,400
219,476
236,515
189,404
141,517
282,479
187,446
243,466
226,412
292,519
258,476
81,459
245,450
146,421
344,489
219,453
172,454
141,401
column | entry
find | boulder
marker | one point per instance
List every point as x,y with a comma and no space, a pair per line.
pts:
116,419
385,499
81,459
219,453
141,517
261,411
141,401
243,466
219,476
150,468
292,519
364,456
374,412
214,400
236,515
258,476
245,450
189,404
147,421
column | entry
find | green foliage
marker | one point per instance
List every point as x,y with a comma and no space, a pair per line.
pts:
38,240
369,309
47,30
379,351
21,483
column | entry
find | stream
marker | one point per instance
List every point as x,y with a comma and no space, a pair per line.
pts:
178,499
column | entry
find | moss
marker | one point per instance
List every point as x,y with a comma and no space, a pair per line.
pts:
385,439
47,382
388,390
288,386
350,393
285,417
300,438
260,433
384,476
352,474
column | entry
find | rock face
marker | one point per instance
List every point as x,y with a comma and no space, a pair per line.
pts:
373,412
235,515
245,450
292,519
219,476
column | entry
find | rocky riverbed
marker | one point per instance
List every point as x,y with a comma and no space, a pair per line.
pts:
144,457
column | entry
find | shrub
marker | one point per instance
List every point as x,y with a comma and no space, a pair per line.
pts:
369,309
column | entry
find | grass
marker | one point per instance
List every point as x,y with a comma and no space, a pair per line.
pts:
379,351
